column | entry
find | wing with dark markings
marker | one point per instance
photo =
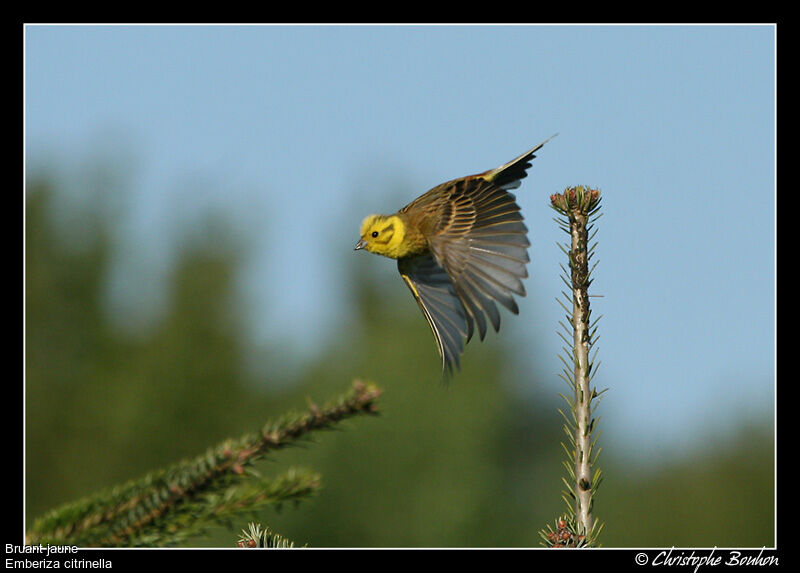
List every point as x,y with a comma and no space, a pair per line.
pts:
431,286
478,254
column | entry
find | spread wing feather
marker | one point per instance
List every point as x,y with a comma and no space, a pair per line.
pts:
434,292
509,176
478,254
486,260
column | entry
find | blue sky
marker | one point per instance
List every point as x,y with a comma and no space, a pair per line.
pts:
675,124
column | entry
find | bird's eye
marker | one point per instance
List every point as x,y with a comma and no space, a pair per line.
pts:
374,234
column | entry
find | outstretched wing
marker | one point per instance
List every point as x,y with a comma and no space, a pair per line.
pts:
434,292
484,249
481,240
508,176
479,247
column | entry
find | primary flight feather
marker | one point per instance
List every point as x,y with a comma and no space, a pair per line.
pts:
461,247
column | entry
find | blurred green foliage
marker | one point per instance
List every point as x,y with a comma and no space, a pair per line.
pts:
471,464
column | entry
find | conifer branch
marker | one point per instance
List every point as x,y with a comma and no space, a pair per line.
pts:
578,207
167,505
254,536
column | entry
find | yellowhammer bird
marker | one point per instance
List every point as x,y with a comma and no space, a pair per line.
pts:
460,247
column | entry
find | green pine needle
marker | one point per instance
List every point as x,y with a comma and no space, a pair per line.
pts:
166,506
254,536
578,208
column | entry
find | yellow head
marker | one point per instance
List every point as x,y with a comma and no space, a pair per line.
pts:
383,235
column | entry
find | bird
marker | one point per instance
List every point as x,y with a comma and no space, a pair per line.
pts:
460,247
